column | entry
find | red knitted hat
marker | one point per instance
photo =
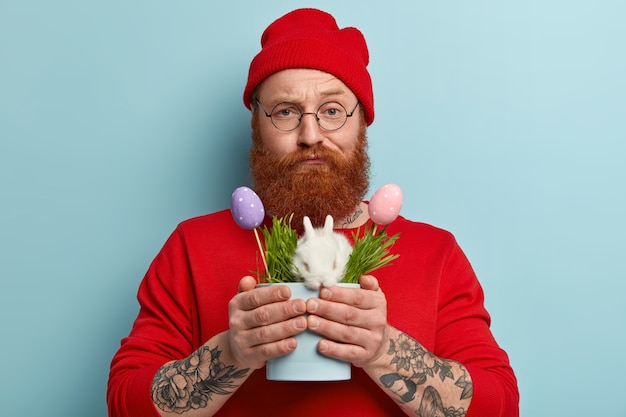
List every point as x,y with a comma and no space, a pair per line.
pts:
310,38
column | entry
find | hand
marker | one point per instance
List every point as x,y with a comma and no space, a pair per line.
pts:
354,321
262,323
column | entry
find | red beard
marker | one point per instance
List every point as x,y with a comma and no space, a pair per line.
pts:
286,187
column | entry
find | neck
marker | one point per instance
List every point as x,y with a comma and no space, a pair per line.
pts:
358,218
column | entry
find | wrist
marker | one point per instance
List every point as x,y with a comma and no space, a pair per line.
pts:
381,361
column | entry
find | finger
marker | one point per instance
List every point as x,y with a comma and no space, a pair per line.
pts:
255,356
275,332
247,283
260,296
369,282
351,353
261,344
357,297
337,331
268,351
272,313
338,312
349,343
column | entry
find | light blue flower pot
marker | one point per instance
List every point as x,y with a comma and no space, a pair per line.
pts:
306,363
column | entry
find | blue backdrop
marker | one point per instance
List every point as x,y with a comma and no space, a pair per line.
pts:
503,122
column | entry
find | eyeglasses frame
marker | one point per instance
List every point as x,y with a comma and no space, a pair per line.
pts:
302,114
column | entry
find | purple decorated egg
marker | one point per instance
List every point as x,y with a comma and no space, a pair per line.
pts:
385,204
247,208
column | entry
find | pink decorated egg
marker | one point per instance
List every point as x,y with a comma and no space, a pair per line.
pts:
247,208
385,204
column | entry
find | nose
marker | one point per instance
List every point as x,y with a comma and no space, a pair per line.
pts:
310,131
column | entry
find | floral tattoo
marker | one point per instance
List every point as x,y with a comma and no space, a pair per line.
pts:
416,366
190,383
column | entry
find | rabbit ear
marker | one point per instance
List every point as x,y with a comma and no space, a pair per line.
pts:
328,225
308,227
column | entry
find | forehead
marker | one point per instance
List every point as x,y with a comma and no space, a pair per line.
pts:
302,85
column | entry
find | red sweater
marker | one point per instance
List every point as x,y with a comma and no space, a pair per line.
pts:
432,293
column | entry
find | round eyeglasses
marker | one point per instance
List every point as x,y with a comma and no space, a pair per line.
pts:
287,116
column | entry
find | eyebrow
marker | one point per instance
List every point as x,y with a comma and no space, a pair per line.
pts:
335,92
289,98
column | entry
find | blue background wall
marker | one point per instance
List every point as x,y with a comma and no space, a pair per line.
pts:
502,121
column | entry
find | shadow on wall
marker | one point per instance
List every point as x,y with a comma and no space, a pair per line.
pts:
223,158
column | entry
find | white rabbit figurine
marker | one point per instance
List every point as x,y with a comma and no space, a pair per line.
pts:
321,255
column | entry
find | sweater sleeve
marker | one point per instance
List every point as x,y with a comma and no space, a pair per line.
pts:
463,335
161,332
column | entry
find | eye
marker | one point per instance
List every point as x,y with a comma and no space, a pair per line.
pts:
285,111
306,267
332,111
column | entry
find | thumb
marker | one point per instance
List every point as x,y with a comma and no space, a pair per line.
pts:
247,283
369,282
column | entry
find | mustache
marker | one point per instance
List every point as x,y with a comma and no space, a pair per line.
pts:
334,158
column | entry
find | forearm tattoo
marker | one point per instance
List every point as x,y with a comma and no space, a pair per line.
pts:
191,383
415,367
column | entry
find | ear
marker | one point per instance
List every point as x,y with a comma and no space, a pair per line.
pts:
308,227
328,225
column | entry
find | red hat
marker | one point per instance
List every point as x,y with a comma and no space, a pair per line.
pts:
310,38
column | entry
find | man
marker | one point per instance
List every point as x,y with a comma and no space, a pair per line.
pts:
416,332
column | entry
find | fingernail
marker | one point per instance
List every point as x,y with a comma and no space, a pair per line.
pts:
299,308
311,305
283,293
300,323
291,344
322,346
314,322
324,293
